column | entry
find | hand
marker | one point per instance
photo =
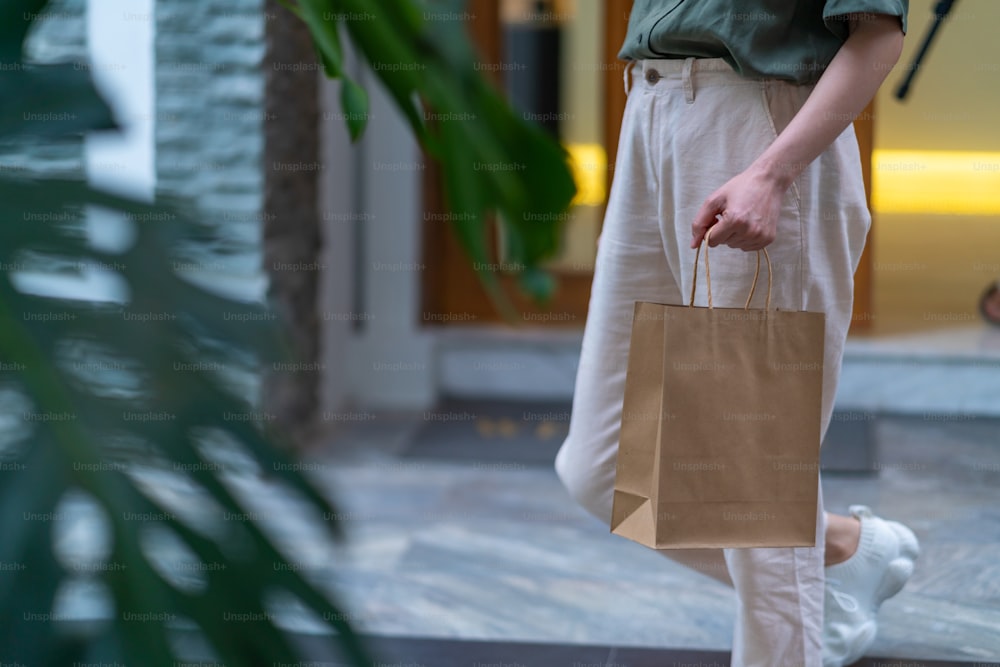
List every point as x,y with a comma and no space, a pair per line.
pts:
743,213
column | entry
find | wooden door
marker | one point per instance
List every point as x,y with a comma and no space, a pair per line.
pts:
863,316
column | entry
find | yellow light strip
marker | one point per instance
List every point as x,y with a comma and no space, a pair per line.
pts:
589,165
936,182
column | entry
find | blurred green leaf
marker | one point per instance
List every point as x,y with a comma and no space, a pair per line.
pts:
354,101
50,101
31,330
32,490
16,18
493,161
172,348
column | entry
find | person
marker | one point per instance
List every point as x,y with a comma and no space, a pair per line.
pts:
739,119
989,304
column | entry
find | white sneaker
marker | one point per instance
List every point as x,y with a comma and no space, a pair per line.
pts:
857,587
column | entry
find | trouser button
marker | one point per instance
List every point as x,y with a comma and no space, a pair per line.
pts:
652,76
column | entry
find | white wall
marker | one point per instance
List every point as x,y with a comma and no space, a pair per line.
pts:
371,210
338,199
120,39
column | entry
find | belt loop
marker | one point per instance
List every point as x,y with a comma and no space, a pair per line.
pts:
625,75
688,83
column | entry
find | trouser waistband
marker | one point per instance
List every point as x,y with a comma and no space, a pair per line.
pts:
687,73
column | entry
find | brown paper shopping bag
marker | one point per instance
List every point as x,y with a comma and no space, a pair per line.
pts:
720,428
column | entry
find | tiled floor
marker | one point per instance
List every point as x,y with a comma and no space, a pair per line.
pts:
497,551
939,370
423,652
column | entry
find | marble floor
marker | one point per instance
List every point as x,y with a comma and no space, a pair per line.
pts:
954,370
421,652
494,550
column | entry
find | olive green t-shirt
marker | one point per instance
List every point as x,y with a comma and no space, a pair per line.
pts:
781,39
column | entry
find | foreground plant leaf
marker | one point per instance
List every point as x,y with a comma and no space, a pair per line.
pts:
168,351
72,453
493,161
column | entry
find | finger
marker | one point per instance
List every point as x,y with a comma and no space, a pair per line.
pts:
705,218
723,231
740,243
699,228
757,242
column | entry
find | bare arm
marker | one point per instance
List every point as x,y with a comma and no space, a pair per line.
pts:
752,199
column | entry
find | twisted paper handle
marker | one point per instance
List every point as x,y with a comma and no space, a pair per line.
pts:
708,276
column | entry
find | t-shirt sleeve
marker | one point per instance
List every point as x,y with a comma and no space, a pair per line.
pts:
835,12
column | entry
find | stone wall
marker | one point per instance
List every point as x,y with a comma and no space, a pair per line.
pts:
210,113
226,115
236,115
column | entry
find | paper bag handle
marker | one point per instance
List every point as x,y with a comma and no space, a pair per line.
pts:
708,276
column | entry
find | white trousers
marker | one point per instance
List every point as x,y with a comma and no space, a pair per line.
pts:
689,126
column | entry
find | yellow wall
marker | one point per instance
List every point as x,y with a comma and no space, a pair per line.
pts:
939,151
936,175
955,100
